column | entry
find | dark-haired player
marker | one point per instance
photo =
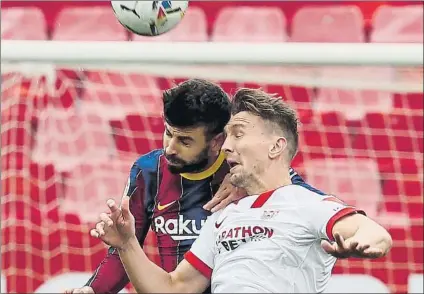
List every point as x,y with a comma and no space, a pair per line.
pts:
169,187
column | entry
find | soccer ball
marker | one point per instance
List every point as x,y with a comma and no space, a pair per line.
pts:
149,18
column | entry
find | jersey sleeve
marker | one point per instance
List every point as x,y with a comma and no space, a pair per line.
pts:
110,275
202,253
326,213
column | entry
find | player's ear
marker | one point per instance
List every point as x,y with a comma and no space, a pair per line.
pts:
217,142
278,147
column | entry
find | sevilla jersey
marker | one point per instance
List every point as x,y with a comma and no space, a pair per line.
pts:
270,243
171,205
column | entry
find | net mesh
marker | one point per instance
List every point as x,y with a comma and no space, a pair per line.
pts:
70,135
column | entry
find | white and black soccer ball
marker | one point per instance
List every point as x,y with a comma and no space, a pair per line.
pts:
149,18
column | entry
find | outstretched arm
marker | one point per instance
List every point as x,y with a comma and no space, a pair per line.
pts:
355,234
358,236
147,277
117,229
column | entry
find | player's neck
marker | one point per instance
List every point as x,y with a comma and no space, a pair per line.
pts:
270,179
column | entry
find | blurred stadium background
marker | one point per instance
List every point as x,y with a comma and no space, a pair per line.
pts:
69,138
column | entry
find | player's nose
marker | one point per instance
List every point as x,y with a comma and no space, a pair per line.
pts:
227,146
171,149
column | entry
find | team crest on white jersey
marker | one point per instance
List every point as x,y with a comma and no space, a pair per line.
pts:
269,214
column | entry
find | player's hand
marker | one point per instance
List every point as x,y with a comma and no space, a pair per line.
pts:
117,227
85,289
350,248
226,194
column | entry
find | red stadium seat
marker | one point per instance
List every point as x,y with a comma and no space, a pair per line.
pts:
354,104
89,186
66,138
193,28
398,24
250,24
393,133
341,24
138,134
117,94
335,132
356,181
328,24
23,23
88,24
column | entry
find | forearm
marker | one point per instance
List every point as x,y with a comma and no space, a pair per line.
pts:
145,276
375,236
110,276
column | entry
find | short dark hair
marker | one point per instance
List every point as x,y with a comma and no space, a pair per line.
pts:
272,109
197,102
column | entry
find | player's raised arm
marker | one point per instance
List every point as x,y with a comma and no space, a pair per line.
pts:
355,234
117,230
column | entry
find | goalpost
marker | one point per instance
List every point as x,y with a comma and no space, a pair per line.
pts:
75,115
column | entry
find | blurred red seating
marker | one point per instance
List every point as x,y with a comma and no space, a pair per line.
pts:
23,23
193,28
138,134
249,24
89,185
88,24
357,182
66,138
115,94
394,24
340,23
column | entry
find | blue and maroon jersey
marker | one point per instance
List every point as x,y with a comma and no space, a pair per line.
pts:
171,205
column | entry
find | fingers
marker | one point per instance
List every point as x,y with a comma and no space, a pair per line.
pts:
94,234
106,219
340,241
212,203
224,203
373,252
99,230
222,193
328,247
125,207
113,207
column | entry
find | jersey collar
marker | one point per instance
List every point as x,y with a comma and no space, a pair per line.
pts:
206,173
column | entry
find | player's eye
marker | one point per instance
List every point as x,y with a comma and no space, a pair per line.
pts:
238,135
185,143
168,133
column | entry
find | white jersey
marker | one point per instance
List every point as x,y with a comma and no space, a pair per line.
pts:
269,243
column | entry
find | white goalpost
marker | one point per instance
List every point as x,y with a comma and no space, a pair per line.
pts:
75,115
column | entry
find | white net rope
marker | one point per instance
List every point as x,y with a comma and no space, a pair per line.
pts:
70,134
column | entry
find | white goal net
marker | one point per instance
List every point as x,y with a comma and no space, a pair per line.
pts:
76,115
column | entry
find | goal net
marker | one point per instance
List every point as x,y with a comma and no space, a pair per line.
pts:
75,117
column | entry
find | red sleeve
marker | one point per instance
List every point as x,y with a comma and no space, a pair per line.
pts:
339,215
110,275
198,264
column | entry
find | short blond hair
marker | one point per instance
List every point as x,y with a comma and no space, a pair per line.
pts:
270,108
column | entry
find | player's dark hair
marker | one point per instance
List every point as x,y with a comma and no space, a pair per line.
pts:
272,109
197,102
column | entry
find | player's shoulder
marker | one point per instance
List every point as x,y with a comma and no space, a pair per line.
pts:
300,194
149,161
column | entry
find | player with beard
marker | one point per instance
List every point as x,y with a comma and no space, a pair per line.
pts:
169,187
